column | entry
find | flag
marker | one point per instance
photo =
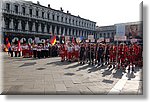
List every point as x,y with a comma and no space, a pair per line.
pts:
7,43
19,47
73,41
80,39
53,40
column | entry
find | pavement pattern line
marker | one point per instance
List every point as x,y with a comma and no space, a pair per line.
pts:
121,84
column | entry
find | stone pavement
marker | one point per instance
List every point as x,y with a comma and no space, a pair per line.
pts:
51,76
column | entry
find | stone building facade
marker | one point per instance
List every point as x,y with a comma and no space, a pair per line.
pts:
28,19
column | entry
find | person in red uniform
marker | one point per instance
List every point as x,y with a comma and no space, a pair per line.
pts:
113,52
62,52
69,52
76,52
131,57
121,56
65,51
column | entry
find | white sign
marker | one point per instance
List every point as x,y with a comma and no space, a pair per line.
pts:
107,40
133,40
87,40
120,38
37,39
100,40
67,38
90,37
120,29
92,40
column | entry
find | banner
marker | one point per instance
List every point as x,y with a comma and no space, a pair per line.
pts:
133,40
67,38
120,29
90,37
120,38
92,40
107,40
100,40
37,39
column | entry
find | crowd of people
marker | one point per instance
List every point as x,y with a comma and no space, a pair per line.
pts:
100,54
40,50
116,56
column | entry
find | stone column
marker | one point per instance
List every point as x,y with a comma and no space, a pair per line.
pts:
71,32
68,31
50,29
83,34
12,7
3,23
55,30
77,33
12,24
27,26
33,28
60,30
19,25
27,10
45,28
74,33
39,27
64,31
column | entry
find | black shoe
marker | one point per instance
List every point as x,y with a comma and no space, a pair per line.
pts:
110,66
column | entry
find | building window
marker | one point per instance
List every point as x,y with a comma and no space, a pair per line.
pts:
42,27
47,15
42,14
108,35
37,13
73,22
100,35
112,34
16,9
23,25
76,22
36,26
30,12
62,19
70,21
30,26
66,19
104,35
53,17
7,6
57,18
23,10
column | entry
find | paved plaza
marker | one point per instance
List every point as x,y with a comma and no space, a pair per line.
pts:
51,76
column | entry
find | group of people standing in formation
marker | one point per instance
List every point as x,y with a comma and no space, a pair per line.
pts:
116,56
33,50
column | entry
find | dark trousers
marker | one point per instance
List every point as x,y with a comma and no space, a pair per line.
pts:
12,54
39,54
100,59
42,54
34,53
91,57
15,53
19,53
46,53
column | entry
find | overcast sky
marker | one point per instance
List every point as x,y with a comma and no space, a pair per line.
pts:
104,12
